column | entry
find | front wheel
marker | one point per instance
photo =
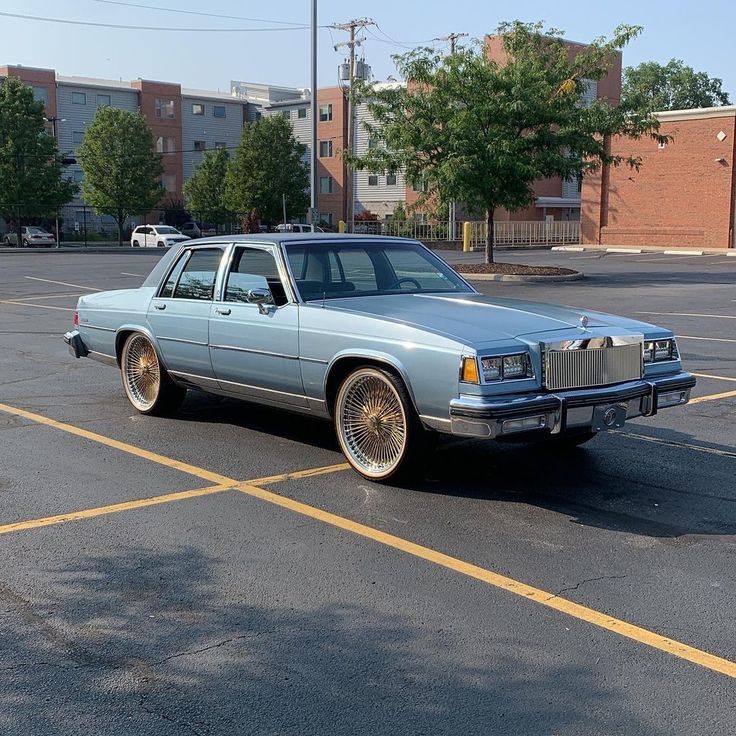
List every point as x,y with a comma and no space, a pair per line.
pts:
147,385
25,243
376,424
135,244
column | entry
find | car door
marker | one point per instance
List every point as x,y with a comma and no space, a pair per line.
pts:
179,314
254,330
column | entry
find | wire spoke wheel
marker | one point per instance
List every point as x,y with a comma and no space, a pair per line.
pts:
371,423
141,372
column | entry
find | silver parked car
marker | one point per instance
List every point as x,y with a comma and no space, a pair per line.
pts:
379,335
31,236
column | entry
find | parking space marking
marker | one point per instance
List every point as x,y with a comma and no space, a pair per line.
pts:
140,275
716,378
299,474
672,443
40,306
113,508
43,296
118,445
690,314
528,592
708,339
713,397
64,283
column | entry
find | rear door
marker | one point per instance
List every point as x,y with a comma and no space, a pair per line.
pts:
179,314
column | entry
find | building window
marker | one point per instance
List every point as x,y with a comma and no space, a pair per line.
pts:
200,145
220,144
219,111
325,113
390,180
165,144
164,109
372,180
77,137
372,143
197,109
325,185
325,149
169,182
286,114
41,94
327,218
103,101
77,176
418,185
302,112
79,98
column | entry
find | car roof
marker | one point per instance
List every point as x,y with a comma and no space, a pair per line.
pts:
305,237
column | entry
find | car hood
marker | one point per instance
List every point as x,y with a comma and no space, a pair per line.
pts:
476,319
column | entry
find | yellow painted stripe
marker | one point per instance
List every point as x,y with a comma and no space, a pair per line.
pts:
118,445
298,474
717,378
542,597
713,397
111,509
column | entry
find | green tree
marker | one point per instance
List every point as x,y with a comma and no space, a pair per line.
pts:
205,189
673,86
31,182
268,163
482,132
122,172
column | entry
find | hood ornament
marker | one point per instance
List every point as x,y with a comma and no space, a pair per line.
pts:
583,321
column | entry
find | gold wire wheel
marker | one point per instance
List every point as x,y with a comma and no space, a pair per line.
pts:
141,372
372,423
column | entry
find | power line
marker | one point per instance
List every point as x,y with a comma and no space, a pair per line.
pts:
198,12
149,28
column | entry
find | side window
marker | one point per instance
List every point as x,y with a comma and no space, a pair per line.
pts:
254,268
168,289
198,277
358,268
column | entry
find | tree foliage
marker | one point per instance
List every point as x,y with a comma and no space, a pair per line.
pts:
482,132
31,181
267,164
673,86
122,171
205,189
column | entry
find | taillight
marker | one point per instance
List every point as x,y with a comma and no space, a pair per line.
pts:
75,322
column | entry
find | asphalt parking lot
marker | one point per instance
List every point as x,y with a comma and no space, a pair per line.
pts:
224,573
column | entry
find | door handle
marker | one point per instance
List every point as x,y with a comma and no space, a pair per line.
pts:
224,310
159,306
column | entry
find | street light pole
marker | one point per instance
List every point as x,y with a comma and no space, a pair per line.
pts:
313,105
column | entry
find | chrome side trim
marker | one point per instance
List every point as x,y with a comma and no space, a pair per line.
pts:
313,360
252,350
192,378
103,358
195,380
179,339
97,327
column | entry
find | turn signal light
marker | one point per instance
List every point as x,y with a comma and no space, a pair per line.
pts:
75,321
469,372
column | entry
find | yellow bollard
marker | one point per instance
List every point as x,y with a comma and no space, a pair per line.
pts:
341,226
467,235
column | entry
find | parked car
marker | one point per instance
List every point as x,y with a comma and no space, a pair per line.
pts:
156,236
381,336
298,227
30,236
196,229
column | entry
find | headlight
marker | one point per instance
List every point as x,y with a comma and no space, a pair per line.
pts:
659,350
507,367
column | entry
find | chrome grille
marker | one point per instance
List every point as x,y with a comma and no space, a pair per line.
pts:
580,368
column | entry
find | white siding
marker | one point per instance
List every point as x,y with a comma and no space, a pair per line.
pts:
301,126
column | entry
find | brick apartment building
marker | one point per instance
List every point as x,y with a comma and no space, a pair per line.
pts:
683,194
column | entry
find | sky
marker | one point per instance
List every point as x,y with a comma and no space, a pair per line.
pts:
697,32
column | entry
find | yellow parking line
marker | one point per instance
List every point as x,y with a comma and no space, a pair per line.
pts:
528,592
717,378
118,445
112,508
671,443
296,475
713,397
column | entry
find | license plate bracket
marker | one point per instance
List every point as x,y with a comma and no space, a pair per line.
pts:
611,416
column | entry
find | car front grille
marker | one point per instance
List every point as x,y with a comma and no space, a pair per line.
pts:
597,366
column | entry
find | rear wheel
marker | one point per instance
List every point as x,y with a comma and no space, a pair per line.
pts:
376,424
135,244
147,385
160,244
25,243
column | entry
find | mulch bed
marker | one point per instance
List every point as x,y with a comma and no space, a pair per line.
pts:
513,269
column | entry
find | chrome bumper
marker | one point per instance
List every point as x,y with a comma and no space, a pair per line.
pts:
76,347
591,409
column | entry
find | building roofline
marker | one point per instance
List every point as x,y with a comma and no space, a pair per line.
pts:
697,113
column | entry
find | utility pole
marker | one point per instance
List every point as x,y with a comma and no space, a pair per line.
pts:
351,26
313,106
451,215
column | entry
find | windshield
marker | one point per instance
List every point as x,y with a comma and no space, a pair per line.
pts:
167,230
338,270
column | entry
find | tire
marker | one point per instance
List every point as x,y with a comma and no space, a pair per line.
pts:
135,244
376,425
147,385
160,244
25,243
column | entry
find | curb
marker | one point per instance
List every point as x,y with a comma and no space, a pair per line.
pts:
646,249
522,279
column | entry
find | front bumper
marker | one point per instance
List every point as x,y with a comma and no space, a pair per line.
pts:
590,409
76,347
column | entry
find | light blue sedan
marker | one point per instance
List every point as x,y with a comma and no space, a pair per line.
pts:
381,336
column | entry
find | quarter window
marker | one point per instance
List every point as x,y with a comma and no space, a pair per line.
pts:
198,276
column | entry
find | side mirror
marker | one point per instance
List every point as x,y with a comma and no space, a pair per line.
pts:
262,297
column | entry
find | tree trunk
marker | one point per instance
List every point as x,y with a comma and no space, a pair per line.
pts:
490,234
120,220
18,230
